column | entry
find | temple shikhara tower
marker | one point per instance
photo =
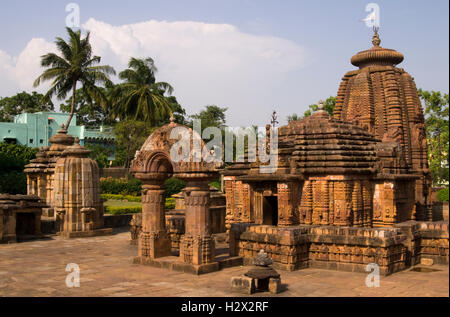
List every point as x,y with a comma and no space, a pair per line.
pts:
383,98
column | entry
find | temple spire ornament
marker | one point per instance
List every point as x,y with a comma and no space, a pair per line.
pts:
376,38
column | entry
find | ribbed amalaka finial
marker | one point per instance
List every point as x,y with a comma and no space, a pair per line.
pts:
320,105
376,38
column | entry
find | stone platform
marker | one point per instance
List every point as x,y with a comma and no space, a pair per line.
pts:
84,234
173,263
38,268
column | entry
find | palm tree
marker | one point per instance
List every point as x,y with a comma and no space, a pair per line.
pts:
75,65
140,97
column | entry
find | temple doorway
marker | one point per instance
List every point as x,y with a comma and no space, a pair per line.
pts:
25,225
270,210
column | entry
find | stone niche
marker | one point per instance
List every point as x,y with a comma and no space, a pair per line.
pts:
77,202
20,217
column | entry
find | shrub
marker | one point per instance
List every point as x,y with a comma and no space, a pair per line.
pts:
215,184
13,158
133,187
121,197
121,186
170,203
13,182
442,195
173,186
122,210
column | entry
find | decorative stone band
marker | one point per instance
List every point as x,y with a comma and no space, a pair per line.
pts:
197,200
342,248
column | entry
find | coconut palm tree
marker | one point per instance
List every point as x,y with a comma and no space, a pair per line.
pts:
76,64
140,97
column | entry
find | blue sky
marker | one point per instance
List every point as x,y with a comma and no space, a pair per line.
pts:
325,33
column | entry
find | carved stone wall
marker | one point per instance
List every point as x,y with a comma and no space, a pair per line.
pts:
343,248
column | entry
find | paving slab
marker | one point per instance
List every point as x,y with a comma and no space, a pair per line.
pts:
38,268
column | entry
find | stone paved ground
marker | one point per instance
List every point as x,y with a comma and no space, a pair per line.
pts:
37,268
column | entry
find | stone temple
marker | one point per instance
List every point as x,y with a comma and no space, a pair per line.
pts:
349,189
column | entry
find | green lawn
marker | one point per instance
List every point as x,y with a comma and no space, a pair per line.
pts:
121,203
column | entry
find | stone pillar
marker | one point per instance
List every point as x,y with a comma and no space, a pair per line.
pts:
197,246
154,241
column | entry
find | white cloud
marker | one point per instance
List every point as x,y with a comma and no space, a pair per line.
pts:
206,63
19,73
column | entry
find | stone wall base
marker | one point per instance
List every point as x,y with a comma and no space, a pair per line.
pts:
343,248
85,234
172,263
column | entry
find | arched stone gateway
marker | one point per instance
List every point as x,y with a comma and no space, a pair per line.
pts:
153,164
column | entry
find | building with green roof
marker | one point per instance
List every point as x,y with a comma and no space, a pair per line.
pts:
35,129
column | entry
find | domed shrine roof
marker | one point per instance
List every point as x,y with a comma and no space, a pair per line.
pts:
155,153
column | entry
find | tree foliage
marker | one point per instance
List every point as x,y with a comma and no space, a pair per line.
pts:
22,103
99,153
211,116
328,106
436,119
89,113
130,136
140,97
75,65
13,158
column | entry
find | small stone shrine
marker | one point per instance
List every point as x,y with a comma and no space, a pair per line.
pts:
77,202
260,277
20,217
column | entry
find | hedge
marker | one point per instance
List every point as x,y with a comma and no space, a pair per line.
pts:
116,210
121,197
121,186
442,195
122,210
133,187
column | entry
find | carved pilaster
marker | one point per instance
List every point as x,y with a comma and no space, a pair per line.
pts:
287,202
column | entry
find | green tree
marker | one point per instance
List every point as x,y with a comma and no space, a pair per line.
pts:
328,106
75,65
89,112
100,154
13,158
211,116
436,119
22,103
140,97
293,117
130,136
178,112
